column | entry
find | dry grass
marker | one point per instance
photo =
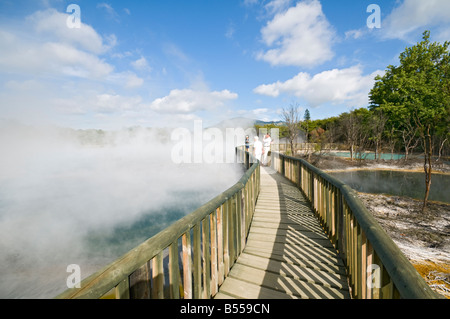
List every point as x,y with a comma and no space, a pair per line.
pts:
437,275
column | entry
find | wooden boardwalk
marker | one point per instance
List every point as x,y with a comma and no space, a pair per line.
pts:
287,255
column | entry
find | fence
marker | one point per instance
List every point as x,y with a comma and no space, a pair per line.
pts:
375,265
191,258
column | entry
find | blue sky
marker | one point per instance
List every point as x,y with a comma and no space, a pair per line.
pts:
168,63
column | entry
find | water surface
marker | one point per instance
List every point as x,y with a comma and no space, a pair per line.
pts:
399,183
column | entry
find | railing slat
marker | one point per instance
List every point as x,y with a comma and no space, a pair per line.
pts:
123,290
206,261
174,271
197,262
226,243
140,282
214,269
220,246
187,265
158,277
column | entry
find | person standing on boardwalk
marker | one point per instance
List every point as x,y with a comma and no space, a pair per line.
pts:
257,148
266,143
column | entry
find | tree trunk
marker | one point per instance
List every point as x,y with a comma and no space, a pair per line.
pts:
428,148
441,146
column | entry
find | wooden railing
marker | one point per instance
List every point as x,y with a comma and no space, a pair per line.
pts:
375,265
191,258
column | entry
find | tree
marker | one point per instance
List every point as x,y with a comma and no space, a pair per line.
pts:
418,89
377,126
291,118
355,129
306,120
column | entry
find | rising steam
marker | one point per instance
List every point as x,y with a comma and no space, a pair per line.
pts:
74,197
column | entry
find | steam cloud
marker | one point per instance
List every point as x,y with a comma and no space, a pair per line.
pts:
64,193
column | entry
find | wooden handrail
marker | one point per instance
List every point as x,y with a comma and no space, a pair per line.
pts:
375,265
209,241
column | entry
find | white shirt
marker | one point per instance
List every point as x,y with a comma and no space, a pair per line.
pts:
258,147
267,141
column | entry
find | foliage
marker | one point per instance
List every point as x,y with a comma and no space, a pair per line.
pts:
416,97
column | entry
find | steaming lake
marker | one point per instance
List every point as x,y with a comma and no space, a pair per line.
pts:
43,274
86,198
399,183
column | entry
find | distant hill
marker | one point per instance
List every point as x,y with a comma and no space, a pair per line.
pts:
258,122
243,122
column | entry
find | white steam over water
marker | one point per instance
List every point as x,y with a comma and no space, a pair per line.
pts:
65,193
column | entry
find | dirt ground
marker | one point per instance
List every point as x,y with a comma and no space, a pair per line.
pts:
424,238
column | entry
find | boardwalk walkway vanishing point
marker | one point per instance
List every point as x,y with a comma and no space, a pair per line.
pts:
288,255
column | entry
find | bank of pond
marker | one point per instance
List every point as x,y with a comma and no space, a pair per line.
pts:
398,183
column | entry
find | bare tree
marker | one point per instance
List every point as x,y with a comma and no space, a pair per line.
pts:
350,131
391,139
378,123
291,117
409,136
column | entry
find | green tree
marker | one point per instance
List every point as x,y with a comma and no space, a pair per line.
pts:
418,90
306,122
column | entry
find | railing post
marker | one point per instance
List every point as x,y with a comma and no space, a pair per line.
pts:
220,245
206,259
187,265
214,270
226,241
174,271
158,277
197,262
122,290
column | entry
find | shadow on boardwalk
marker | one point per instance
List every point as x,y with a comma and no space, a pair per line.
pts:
287,255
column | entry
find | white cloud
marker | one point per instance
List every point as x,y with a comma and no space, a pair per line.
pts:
126,79
19,55
140,64
300,36
188,101
53,24
260,111
46,45
174,51
275,6
133,81
355,34
108,103
338,86
109,10
413,15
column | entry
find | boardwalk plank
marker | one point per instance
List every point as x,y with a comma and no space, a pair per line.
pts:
288,285
245,290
